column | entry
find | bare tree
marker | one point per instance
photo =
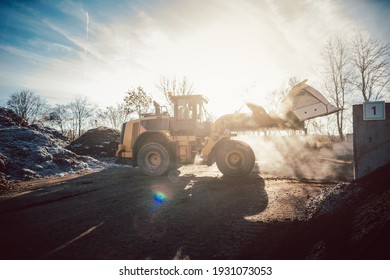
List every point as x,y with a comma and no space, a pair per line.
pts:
137,100
337,76
29,106
372,61
173,86
81,111
115,115
60,117
275,97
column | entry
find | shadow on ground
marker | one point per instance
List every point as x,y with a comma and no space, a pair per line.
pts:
119,213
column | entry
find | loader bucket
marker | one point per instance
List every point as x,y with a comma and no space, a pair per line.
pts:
305,102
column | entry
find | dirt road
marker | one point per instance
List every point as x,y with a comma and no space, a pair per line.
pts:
119,213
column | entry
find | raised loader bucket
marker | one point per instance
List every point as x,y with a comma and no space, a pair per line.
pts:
305,102
302,103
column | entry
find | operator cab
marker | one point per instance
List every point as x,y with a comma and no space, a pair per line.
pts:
190,116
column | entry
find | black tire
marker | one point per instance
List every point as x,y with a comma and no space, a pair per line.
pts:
235,158
154,159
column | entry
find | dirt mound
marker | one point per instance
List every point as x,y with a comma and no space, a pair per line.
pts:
352,220
5,184
30,151
330,200
101,141
10,118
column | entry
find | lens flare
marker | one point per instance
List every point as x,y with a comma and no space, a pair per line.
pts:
149,223
159,197
161,193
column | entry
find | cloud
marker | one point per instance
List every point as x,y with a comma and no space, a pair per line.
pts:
225,47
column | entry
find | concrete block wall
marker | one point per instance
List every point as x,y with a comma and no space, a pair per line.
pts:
371,142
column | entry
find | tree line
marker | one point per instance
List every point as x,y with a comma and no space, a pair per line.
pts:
72,119
353,69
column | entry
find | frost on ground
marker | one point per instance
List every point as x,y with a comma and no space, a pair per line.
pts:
30,151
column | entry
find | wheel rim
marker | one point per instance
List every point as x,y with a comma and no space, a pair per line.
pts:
235,159
153,160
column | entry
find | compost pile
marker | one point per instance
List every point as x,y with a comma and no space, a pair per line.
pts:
352,220
98,142
30,151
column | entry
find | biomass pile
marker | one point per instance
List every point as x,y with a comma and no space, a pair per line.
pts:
352,220
30,151
98,142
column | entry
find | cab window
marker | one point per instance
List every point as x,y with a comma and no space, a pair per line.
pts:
184,109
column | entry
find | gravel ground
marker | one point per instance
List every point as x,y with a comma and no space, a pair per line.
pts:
118,213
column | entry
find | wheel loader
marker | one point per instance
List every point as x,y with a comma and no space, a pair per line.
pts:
158,143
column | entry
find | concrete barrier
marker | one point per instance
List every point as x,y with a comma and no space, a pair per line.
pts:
371,142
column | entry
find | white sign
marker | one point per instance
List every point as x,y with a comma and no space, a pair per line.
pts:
374,111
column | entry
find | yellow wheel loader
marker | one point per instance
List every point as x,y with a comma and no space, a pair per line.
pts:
158,143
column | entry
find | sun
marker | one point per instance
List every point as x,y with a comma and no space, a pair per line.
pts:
228,61
229,69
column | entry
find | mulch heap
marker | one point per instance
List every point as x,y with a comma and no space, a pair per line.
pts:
98,142
352,220
30,151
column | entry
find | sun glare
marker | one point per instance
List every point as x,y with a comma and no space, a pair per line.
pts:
231,53
228,67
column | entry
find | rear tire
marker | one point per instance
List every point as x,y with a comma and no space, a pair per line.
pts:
235,158
154,159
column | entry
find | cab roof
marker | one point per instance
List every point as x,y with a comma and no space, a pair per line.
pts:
191,97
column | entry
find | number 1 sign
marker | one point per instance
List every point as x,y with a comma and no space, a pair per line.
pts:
374,111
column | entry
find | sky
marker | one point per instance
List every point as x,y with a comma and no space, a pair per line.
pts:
231,51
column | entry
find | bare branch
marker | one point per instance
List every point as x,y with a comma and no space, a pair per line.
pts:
172,86
115,115
337,76
29,106
137,100
81,111
372,61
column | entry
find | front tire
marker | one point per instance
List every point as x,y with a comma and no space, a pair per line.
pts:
235,159
153,159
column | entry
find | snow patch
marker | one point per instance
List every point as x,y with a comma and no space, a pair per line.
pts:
30,152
